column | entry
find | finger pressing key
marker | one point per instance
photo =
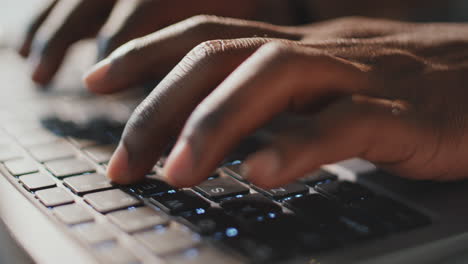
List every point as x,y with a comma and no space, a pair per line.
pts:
268,83
161,115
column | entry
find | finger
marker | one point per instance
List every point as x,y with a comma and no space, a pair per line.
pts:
276,78
347,128
33,27
161,115
69,22
131,20
153,56
145,17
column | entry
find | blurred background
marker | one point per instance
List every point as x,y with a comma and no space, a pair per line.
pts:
14,16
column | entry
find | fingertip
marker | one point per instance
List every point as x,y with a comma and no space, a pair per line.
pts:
262,167
118,169
178,170
42,72
24,50
95,78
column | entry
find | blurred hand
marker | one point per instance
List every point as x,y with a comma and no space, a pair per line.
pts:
389,92
65,22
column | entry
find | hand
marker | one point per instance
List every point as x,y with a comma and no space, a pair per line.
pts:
389,92
63,23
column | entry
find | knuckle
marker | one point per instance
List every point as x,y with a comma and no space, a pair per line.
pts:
205,26
203,23
281,57
130,50
208,49
279,53
276,49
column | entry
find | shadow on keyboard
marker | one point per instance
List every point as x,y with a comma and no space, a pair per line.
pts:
100,130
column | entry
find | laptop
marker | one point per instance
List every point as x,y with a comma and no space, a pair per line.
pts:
56,205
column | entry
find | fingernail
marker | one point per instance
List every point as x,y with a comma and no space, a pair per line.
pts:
262,165
179,164
118,166
96,74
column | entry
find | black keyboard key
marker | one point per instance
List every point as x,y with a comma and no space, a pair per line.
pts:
151,187
393,215
314,207
273,227
313,241
325,216
235,171
285,191
221,187
343,191
212,221
381,214
179,202
363,225
88,183
256,251
250,205
318,177
287,234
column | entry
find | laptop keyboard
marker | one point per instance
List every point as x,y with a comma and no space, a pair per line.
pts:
223,220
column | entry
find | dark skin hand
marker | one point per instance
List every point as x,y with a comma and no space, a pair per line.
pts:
64,22
390,92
